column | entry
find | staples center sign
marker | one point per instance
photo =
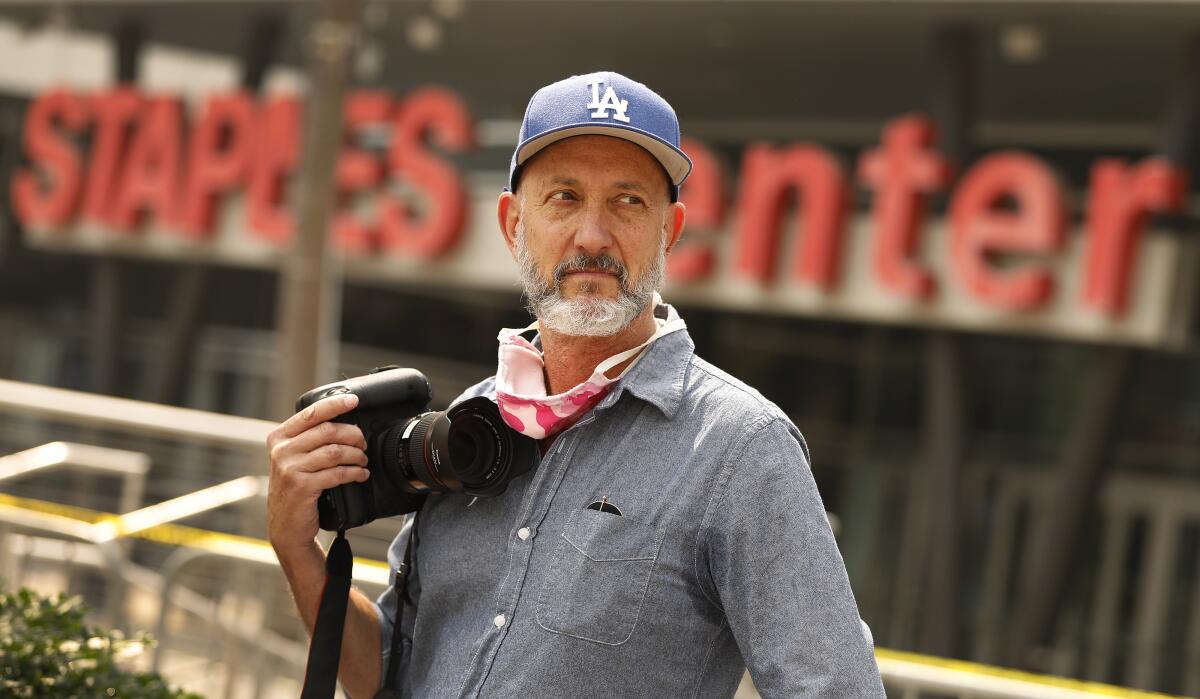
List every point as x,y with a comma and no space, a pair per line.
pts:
154,179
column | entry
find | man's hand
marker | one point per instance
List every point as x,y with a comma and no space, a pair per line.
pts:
310,454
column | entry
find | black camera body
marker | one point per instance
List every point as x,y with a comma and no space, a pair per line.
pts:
412,452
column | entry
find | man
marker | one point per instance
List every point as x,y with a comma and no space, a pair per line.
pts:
672,534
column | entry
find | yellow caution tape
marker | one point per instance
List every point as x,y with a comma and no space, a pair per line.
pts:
218,542
53,508
1096,688
106,524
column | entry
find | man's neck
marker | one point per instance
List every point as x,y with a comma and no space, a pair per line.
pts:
570,359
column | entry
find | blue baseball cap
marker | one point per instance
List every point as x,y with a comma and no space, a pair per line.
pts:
605,104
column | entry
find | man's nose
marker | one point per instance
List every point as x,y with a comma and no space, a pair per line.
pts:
593,234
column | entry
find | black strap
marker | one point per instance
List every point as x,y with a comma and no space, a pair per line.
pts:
400,644
325,649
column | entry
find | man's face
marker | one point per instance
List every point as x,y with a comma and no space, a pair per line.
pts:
595,221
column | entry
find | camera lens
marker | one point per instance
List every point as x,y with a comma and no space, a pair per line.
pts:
473,448
468,449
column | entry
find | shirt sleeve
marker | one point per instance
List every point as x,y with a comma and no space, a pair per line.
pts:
775,570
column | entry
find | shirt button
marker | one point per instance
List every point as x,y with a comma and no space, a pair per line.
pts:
523,533
499,620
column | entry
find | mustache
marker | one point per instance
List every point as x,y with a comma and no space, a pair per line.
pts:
583,262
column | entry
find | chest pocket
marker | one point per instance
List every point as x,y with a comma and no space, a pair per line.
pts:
598,577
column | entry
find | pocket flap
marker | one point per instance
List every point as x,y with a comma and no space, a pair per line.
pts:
602,536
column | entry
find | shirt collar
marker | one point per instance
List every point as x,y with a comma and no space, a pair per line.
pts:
658,375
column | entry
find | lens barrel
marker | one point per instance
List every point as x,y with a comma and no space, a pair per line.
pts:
466,449
427,456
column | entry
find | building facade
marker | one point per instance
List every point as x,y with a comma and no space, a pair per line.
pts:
956,242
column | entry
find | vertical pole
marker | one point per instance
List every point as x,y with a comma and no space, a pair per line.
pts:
925,608
943,401
308,303
10,157
862,508
103,324
1181,142
943,454
180,331
1183,147
181,328
1053,542
103,328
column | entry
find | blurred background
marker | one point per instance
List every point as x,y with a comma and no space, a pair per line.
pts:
954,241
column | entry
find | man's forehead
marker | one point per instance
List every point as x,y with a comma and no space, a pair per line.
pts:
579,158
552,179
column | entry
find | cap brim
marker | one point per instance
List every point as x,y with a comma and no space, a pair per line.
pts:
673,160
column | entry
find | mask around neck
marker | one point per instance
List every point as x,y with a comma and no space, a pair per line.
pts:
521,384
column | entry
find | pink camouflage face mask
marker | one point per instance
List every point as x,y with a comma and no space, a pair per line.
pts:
521,384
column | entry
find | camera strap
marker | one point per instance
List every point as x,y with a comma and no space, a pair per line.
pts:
325,648
399,642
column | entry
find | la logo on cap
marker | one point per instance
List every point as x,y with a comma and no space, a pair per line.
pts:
610,101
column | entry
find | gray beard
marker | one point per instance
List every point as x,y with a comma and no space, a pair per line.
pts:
589,316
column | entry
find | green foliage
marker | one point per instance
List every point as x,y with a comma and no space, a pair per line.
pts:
47,650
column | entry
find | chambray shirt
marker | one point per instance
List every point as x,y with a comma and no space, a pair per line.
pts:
721,558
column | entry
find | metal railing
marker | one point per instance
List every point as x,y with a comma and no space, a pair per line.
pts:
98,540
1158,512
906,675
101,540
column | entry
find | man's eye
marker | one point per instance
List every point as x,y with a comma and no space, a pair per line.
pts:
631,199
563,196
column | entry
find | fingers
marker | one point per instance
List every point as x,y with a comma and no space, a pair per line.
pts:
327,433
305,474
326,457
338,475
320,446
322,411
309,454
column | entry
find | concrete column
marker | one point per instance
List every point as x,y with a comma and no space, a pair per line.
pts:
309,300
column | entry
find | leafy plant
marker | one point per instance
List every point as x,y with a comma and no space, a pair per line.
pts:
47,650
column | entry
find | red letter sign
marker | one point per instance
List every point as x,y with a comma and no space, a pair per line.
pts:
441,112
46,194
276,150
358,170
150,179
769,179
901,171
219,158
114,113
1120,199
979,228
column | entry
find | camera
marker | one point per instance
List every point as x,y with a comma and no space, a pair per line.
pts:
412,451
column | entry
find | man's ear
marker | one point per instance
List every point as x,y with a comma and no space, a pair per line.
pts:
508,213
673,225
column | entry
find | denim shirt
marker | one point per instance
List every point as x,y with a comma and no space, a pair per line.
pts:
721,558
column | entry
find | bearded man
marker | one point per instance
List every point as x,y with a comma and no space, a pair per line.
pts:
671,536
